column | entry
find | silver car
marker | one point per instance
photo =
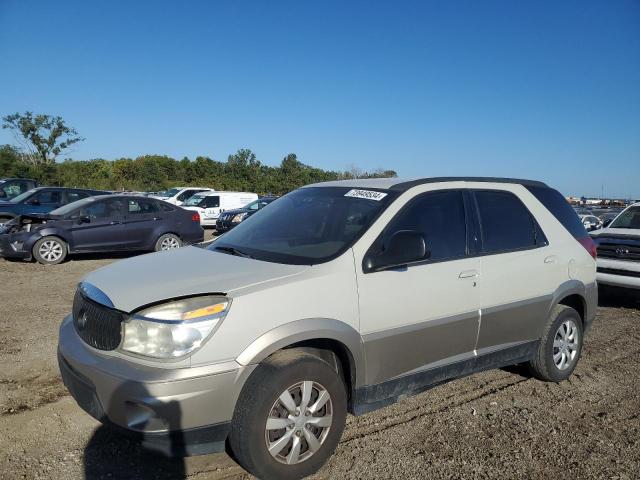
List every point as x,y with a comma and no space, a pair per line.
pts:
339,298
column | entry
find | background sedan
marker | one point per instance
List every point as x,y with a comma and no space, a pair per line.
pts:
100,224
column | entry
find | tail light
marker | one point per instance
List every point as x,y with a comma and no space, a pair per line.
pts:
589,245
195,217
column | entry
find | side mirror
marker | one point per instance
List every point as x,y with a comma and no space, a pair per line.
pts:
35,201
607,222
3,194
84,219
404,247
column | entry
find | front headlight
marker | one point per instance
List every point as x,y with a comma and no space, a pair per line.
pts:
238,218
173,329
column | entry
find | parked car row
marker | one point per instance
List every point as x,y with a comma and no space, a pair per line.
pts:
49,223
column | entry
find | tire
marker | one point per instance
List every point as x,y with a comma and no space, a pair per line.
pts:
292,371
50,250
168,241
564,328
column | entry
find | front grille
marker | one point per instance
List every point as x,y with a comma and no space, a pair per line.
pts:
97,325
616,271
619,252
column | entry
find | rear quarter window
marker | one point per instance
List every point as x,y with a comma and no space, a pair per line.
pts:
560,208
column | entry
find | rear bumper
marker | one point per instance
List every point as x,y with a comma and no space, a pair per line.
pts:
177,412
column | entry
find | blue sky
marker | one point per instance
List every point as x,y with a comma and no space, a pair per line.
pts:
546,90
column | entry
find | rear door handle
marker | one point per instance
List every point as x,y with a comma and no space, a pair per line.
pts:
551,259
469,274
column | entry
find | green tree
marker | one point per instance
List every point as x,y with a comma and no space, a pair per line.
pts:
44,136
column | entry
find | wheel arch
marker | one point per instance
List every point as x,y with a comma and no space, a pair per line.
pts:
318,336
578,296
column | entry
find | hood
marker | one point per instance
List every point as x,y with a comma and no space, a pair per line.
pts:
621,233
151,278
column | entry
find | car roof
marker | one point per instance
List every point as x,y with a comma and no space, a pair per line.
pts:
211,193
401,185
70,189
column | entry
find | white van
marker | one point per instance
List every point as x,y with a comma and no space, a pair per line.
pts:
210,204
179,195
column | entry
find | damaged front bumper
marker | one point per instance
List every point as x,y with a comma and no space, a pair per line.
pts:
16,236
14,246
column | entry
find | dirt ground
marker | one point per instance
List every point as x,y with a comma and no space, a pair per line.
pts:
499,424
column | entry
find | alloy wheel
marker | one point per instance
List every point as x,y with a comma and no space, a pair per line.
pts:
565,344
169,243
299,422
50,251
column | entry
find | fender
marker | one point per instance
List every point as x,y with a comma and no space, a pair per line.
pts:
308,329
588,293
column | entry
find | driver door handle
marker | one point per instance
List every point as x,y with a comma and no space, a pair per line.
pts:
551,259
469,274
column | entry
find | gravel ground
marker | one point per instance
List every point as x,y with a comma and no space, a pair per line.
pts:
499,424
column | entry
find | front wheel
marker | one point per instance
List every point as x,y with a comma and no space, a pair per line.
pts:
289,417
50,250
168,241
560,346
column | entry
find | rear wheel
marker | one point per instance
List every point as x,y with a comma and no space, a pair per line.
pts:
50,250
168,241
289,417
560,346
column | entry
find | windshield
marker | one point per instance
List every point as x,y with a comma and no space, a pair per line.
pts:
70,207
630,218
308,226
22,196
195,200
169,193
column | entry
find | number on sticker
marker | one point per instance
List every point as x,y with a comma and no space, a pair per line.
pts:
366,194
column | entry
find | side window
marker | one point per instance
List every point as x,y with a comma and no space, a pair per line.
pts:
211,202
140,207
96,211
440,217
166,207
506,224
48,197
73,196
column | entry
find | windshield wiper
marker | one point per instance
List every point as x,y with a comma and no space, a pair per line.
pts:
233,251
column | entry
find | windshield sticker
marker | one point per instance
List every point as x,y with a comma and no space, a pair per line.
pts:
366,194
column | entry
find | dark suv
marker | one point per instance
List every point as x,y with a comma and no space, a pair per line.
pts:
230,218
42,200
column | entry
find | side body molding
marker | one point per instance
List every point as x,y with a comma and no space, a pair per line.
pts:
308,329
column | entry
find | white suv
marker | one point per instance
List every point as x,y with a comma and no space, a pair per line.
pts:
619,250
340,297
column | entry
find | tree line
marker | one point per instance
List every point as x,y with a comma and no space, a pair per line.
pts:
42,138
241,172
